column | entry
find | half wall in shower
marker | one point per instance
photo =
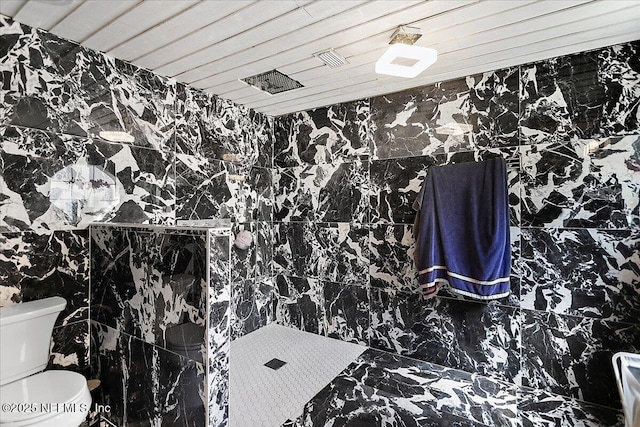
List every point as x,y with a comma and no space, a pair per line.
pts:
160,300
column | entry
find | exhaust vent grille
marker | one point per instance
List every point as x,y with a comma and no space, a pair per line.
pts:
272,82
331,58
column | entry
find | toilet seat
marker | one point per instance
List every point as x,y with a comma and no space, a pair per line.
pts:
65,388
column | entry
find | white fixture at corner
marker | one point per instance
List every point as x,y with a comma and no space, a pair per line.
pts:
402,47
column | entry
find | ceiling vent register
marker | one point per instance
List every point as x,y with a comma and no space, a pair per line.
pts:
272,82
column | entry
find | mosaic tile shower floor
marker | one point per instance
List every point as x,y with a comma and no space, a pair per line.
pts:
326,382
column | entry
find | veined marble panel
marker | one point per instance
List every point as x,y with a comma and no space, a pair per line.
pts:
591,273
571,355
391,259
218,329
80,182
449,116
585,95
347,312
343,252
474,337
300,303
147,385
381,389
252,305
203,190
591,183
541,408
146,284
295,249
620,75
70,348
35,266
53,84
329,193
334,134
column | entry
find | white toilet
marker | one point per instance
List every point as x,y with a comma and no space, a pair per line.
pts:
29,396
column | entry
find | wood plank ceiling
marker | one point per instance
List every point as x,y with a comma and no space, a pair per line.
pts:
212,44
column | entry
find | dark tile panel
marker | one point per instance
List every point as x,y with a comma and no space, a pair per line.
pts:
328,193
335,134
456,115
147,385
148,284
382,389
580,96
35,266
347,312
470,336
592,273
92,181
571,355
300,303
541,408
589,183
57,85
70,348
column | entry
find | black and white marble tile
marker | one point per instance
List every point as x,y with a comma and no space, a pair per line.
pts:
474,337
258,201
329,193
583,183
620,73
146,283
493,106
264,249
295,249
91,181
202,189
299,303
53,84
146,385
585,95
343,252
571,355
219,328
252,304
541,408
335,134
381,389
391,259
347,312
450,116
70,348
582,272
35,266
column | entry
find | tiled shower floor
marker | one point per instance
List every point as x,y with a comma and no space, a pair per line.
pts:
329,382
263,397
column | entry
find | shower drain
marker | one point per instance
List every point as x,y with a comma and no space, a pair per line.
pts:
275,364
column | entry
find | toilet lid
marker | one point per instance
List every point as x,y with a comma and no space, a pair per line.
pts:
48,387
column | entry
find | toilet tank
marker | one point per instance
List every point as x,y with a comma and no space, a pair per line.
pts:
25,334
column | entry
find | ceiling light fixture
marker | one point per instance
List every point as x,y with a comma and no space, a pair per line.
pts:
402,46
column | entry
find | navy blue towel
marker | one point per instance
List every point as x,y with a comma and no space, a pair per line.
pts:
462,230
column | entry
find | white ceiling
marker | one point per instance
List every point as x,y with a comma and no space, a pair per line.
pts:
211,44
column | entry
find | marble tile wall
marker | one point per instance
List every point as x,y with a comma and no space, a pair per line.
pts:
160,303
345,179
185,155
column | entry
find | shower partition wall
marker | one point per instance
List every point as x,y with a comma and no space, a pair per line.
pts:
160,301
